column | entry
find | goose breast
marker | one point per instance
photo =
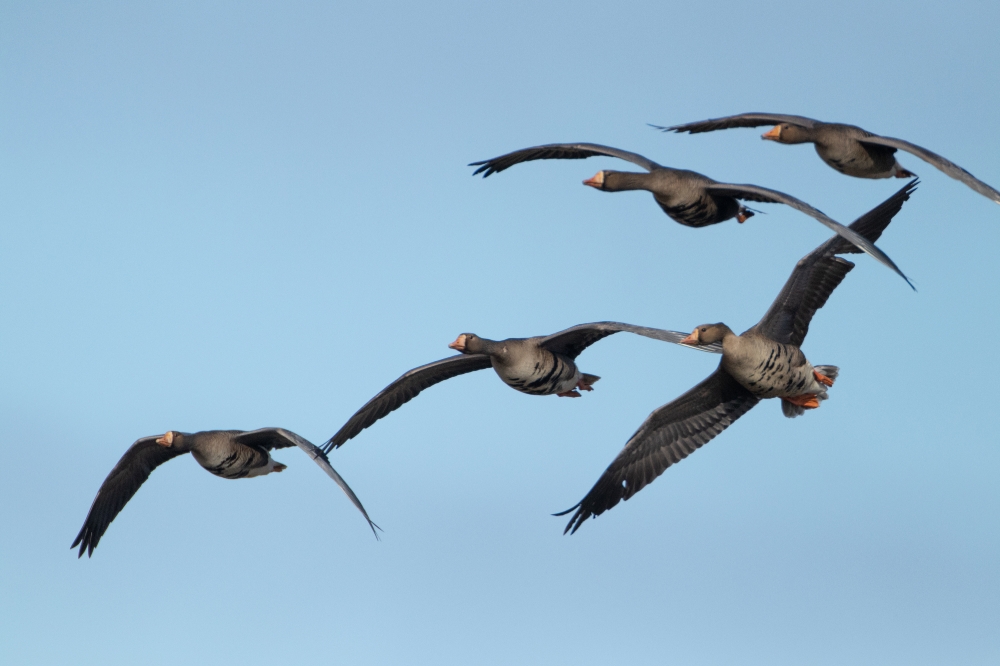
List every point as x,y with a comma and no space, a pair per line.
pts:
536,371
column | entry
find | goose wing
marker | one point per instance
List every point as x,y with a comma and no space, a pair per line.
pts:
404,389
818,273
132,470
667,436
741,120
572,341
559,151
763,194
279,438
935,160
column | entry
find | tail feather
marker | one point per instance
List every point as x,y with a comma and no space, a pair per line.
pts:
790,410
589,379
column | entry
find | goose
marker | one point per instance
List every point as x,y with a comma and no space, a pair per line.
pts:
764,362
848,149
543,365
687,197
231,454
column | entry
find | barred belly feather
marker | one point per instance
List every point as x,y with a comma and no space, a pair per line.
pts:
543,373
770,369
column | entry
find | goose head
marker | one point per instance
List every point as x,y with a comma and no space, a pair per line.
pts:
469,343
787,133
706,334
173,440
620,181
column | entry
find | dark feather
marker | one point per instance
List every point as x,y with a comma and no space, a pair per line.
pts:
667,436
818,273
674,431
559,151
946,166
755,193
741,120
128,475
404,389
279,438
572,341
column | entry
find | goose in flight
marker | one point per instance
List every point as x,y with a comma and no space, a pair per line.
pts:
687,197
543,365
764,362
848,149
231,454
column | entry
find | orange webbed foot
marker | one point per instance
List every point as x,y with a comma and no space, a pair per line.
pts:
807,401
822,379
569,394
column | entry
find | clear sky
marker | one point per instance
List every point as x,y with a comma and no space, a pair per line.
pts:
238,215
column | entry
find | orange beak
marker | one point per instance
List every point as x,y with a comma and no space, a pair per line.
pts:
166,440
773,135
458,344
597,181
691,339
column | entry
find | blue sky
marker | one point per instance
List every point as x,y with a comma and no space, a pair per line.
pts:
238,215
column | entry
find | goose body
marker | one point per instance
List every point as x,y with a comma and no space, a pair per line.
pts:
842,147
220,453
764,362
542,365
526,366
230,454
849,149
687,197
767,368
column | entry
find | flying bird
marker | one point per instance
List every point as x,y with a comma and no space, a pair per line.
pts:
231,454
543,365
848,149
764,362
687,197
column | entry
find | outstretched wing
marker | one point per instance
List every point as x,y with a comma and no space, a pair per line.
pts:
667,436
818,273
279,438
404,389
572,341
755,193
935,160
559,151
122,483
741,120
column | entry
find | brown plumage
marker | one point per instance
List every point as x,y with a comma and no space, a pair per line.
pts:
231,454
762,363
847,148
687,197
542,365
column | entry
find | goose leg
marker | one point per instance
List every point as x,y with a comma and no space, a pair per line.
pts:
570,394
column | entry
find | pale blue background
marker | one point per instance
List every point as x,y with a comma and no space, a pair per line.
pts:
240,215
